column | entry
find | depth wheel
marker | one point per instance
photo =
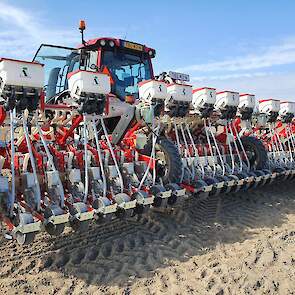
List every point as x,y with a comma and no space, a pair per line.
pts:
51,228
173,199
158,201
24,238
75,223
199,185
79,226
55,229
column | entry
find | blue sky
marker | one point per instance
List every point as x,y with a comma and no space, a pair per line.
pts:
247,46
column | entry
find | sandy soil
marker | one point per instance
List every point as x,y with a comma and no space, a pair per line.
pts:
235,244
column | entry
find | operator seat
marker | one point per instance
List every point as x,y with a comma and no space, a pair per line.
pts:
121,85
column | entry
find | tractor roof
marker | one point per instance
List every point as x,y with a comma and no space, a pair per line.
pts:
98,42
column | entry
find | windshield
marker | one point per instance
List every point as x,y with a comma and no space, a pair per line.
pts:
127,71
58,62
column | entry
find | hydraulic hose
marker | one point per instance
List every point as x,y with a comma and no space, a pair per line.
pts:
217,148
104,181
192,171
289,145
242,147
179,149
195,149
112,154
50,160
154,154
283,153
230,150
210,146
38,192
237,150
12,197
154,140
177,137
85,158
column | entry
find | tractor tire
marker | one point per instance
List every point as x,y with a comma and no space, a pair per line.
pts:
170,171
173,161
256,152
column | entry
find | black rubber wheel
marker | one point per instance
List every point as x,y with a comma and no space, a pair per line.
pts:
255,151
25,238
225,179
79,226
235,188
55,229
76,224
168,160
105,218
280,172
267,172
158,201
174,187
199,185
212,181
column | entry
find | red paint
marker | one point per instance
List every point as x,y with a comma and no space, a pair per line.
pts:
2,115
199,89
69,132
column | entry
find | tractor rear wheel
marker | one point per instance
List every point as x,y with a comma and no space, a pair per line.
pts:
256,152
168,160
169,164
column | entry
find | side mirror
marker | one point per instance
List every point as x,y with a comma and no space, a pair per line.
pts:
84,55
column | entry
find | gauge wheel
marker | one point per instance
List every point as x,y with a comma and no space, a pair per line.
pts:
76,224
54,229
24,238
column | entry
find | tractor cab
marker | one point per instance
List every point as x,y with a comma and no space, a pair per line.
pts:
126,63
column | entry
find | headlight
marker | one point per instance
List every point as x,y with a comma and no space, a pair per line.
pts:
150,53
112,43
102,42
